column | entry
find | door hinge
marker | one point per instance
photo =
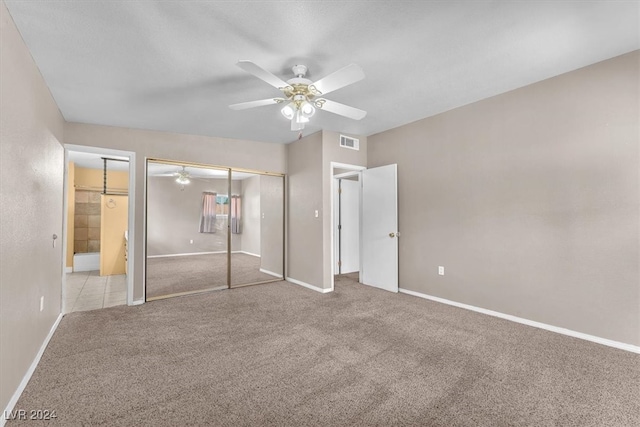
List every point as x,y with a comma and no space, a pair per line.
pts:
339,263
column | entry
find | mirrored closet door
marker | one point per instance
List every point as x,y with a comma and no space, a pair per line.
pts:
187,229
257,220
211,228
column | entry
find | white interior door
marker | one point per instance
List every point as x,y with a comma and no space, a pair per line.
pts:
379,251
349,226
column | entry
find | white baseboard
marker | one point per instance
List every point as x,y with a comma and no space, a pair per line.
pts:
271,273
27,376
306,285
138,302
556,329
246,253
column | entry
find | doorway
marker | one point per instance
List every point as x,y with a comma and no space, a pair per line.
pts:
345,220
98,220
373,224
211,228
347,223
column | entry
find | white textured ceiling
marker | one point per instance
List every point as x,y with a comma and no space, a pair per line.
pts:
170,65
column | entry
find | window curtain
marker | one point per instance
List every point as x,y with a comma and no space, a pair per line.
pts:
236,214
208,214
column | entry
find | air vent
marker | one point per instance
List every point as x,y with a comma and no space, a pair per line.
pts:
348,142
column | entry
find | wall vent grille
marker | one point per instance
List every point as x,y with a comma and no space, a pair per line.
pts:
348,142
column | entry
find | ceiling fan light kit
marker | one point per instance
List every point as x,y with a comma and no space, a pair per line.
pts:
183,176
183,180
300,93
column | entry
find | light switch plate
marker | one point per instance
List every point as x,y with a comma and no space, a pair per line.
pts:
441,270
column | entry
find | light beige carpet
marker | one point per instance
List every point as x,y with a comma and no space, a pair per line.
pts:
171,275
282,355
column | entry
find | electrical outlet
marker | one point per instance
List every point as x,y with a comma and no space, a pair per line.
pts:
441,270
191,241
316,213
41,303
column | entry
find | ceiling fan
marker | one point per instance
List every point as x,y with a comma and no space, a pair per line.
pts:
182,176
301,96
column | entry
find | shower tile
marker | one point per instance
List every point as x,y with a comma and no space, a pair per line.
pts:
81,221
93,246
94,220
94,233
93,208
94,197
82,208
81,233
80,246
82,196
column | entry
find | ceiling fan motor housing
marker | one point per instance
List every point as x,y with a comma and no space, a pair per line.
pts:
299,70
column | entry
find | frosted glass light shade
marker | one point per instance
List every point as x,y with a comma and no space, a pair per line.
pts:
288,111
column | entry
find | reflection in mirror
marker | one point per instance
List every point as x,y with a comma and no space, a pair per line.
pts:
187,226
258,222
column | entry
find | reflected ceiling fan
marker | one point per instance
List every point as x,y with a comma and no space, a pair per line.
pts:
182,176
301,96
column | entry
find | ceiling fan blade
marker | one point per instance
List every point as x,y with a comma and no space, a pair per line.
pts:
340,109
252,104
339,79
262,74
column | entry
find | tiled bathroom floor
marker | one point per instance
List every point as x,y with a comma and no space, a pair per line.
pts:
87,290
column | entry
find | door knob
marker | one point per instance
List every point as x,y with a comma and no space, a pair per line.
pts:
392,235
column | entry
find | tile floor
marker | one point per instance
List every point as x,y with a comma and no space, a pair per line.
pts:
87,290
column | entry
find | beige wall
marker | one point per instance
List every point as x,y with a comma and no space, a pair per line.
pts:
93,179
165,145
31,188
530,201
113,223
272,224
309,184
304,197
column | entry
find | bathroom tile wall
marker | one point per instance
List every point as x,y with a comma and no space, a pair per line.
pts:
87,222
